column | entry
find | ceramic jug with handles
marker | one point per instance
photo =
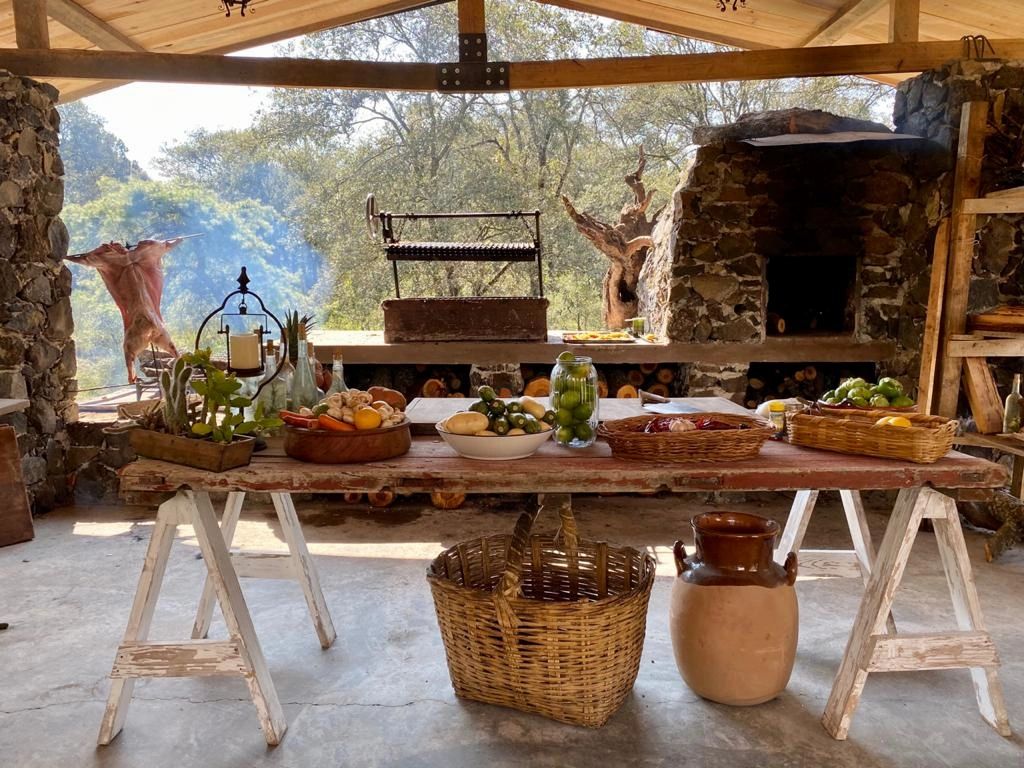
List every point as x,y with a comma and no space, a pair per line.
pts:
733,616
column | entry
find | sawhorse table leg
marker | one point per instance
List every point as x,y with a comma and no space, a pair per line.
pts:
240,654
862,557
297,564
870,650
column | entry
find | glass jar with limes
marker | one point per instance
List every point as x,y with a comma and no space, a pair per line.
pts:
574,400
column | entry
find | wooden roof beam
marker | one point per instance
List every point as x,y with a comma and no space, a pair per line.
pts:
873,59
83,22
30,24
847,18
904,21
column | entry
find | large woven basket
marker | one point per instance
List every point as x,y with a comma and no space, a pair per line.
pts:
546,624
628,440
925,442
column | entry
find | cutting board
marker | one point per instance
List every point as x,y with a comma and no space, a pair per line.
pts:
15,512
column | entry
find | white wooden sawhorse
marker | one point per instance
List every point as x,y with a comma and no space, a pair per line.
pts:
870,649
829,562
240,654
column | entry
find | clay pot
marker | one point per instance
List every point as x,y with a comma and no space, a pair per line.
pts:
733,616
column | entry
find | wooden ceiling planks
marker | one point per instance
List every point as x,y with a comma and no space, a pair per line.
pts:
197,26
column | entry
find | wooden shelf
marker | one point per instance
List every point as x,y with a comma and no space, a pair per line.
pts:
1006,443
369,347
1003,201
976,345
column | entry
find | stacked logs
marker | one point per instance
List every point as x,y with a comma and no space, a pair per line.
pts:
779,384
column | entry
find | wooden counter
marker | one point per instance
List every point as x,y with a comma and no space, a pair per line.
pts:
369,347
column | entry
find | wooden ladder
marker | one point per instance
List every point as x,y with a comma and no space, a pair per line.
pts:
948,352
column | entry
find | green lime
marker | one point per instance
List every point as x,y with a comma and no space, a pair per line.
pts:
860,393
566,357
829,396
563,417
486,393
569,400
580,371
891,384
583,431
842,391
902,402
879,401
564,435
582,411
857,383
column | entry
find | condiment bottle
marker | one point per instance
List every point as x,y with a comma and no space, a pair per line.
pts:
1012,409
777,416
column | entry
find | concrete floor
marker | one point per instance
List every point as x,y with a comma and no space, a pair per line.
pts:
381,696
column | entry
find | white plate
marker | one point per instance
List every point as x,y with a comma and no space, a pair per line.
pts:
494,448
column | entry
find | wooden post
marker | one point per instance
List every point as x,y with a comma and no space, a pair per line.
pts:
970,151
471,17
31,27
904,21
930,342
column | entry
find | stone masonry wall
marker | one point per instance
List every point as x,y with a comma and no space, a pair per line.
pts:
37,355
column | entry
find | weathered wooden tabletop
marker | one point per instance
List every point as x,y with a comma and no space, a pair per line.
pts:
431,465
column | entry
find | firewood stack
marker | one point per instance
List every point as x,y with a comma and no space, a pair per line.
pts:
779,384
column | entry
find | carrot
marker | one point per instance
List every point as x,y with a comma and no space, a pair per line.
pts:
334,425
296,420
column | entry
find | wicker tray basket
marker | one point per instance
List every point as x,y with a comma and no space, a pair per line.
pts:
695,446
547,624
925,442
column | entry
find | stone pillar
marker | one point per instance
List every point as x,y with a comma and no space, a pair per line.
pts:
37,355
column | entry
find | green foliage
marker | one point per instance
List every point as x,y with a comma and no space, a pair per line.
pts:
90,153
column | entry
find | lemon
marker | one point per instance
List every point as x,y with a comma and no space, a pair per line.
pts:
899,421
366,417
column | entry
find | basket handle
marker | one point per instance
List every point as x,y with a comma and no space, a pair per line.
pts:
791,569
511,579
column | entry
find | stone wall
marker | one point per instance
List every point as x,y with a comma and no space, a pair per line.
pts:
37,355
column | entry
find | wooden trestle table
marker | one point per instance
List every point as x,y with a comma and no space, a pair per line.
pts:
431,466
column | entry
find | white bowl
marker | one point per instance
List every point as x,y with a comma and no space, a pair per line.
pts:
494,447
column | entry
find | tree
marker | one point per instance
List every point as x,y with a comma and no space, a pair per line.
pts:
90,153
198,274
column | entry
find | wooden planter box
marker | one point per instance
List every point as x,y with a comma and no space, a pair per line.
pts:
201,454
497,318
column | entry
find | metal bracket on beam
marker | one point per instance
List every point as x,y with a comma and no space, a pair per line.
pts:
473,47
459,77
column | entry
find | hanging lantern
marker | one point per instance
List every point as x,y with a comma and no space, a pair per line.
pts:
242,5
244,333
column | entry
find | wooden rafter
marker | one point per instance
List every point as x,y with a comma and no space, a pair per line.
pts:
844,20
904,21
90,26
30,24
881,58
471,17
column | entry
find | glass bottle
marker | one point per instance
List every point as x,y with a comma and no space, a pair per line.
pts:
304,393
316,368
1012,409
574,400
337,374
274,395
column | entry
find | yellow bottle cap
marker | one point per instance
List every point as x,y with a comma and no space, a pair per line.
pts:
776,405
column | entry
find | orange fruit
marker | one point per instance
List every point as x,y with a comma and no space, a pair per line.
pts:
366,417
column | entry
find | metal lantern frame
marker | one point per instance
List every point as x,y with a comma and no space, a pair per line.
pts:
262,331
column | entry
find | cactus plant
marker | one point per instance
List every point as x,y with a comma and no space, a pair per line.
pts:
174,392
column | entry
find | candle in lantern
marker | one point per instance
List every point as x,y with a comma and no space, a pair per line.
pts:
245,351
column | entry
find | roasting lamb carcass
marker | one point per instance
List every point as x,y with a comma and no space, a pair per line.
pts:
135,279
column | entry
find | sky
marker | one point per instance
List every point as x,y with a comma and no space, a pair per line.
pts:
182,109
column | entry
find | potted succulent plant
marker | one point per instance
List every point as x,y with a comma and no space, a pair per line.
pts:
215,435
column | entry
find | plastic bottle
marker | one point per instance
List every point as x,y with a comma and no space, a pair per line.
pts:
777,416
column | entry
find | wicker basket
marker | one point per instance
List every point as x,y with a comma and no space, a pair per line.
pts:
925,442
559,635
628,441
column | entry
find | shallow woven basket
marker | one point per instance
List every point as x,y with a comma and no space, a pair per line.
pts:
928,440
628,441
551,625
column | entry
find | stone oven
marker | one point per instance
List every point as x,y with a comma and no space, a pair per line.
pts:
798,223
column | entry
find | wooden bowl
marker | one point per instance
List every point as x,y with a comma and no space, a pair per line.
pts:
322,446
